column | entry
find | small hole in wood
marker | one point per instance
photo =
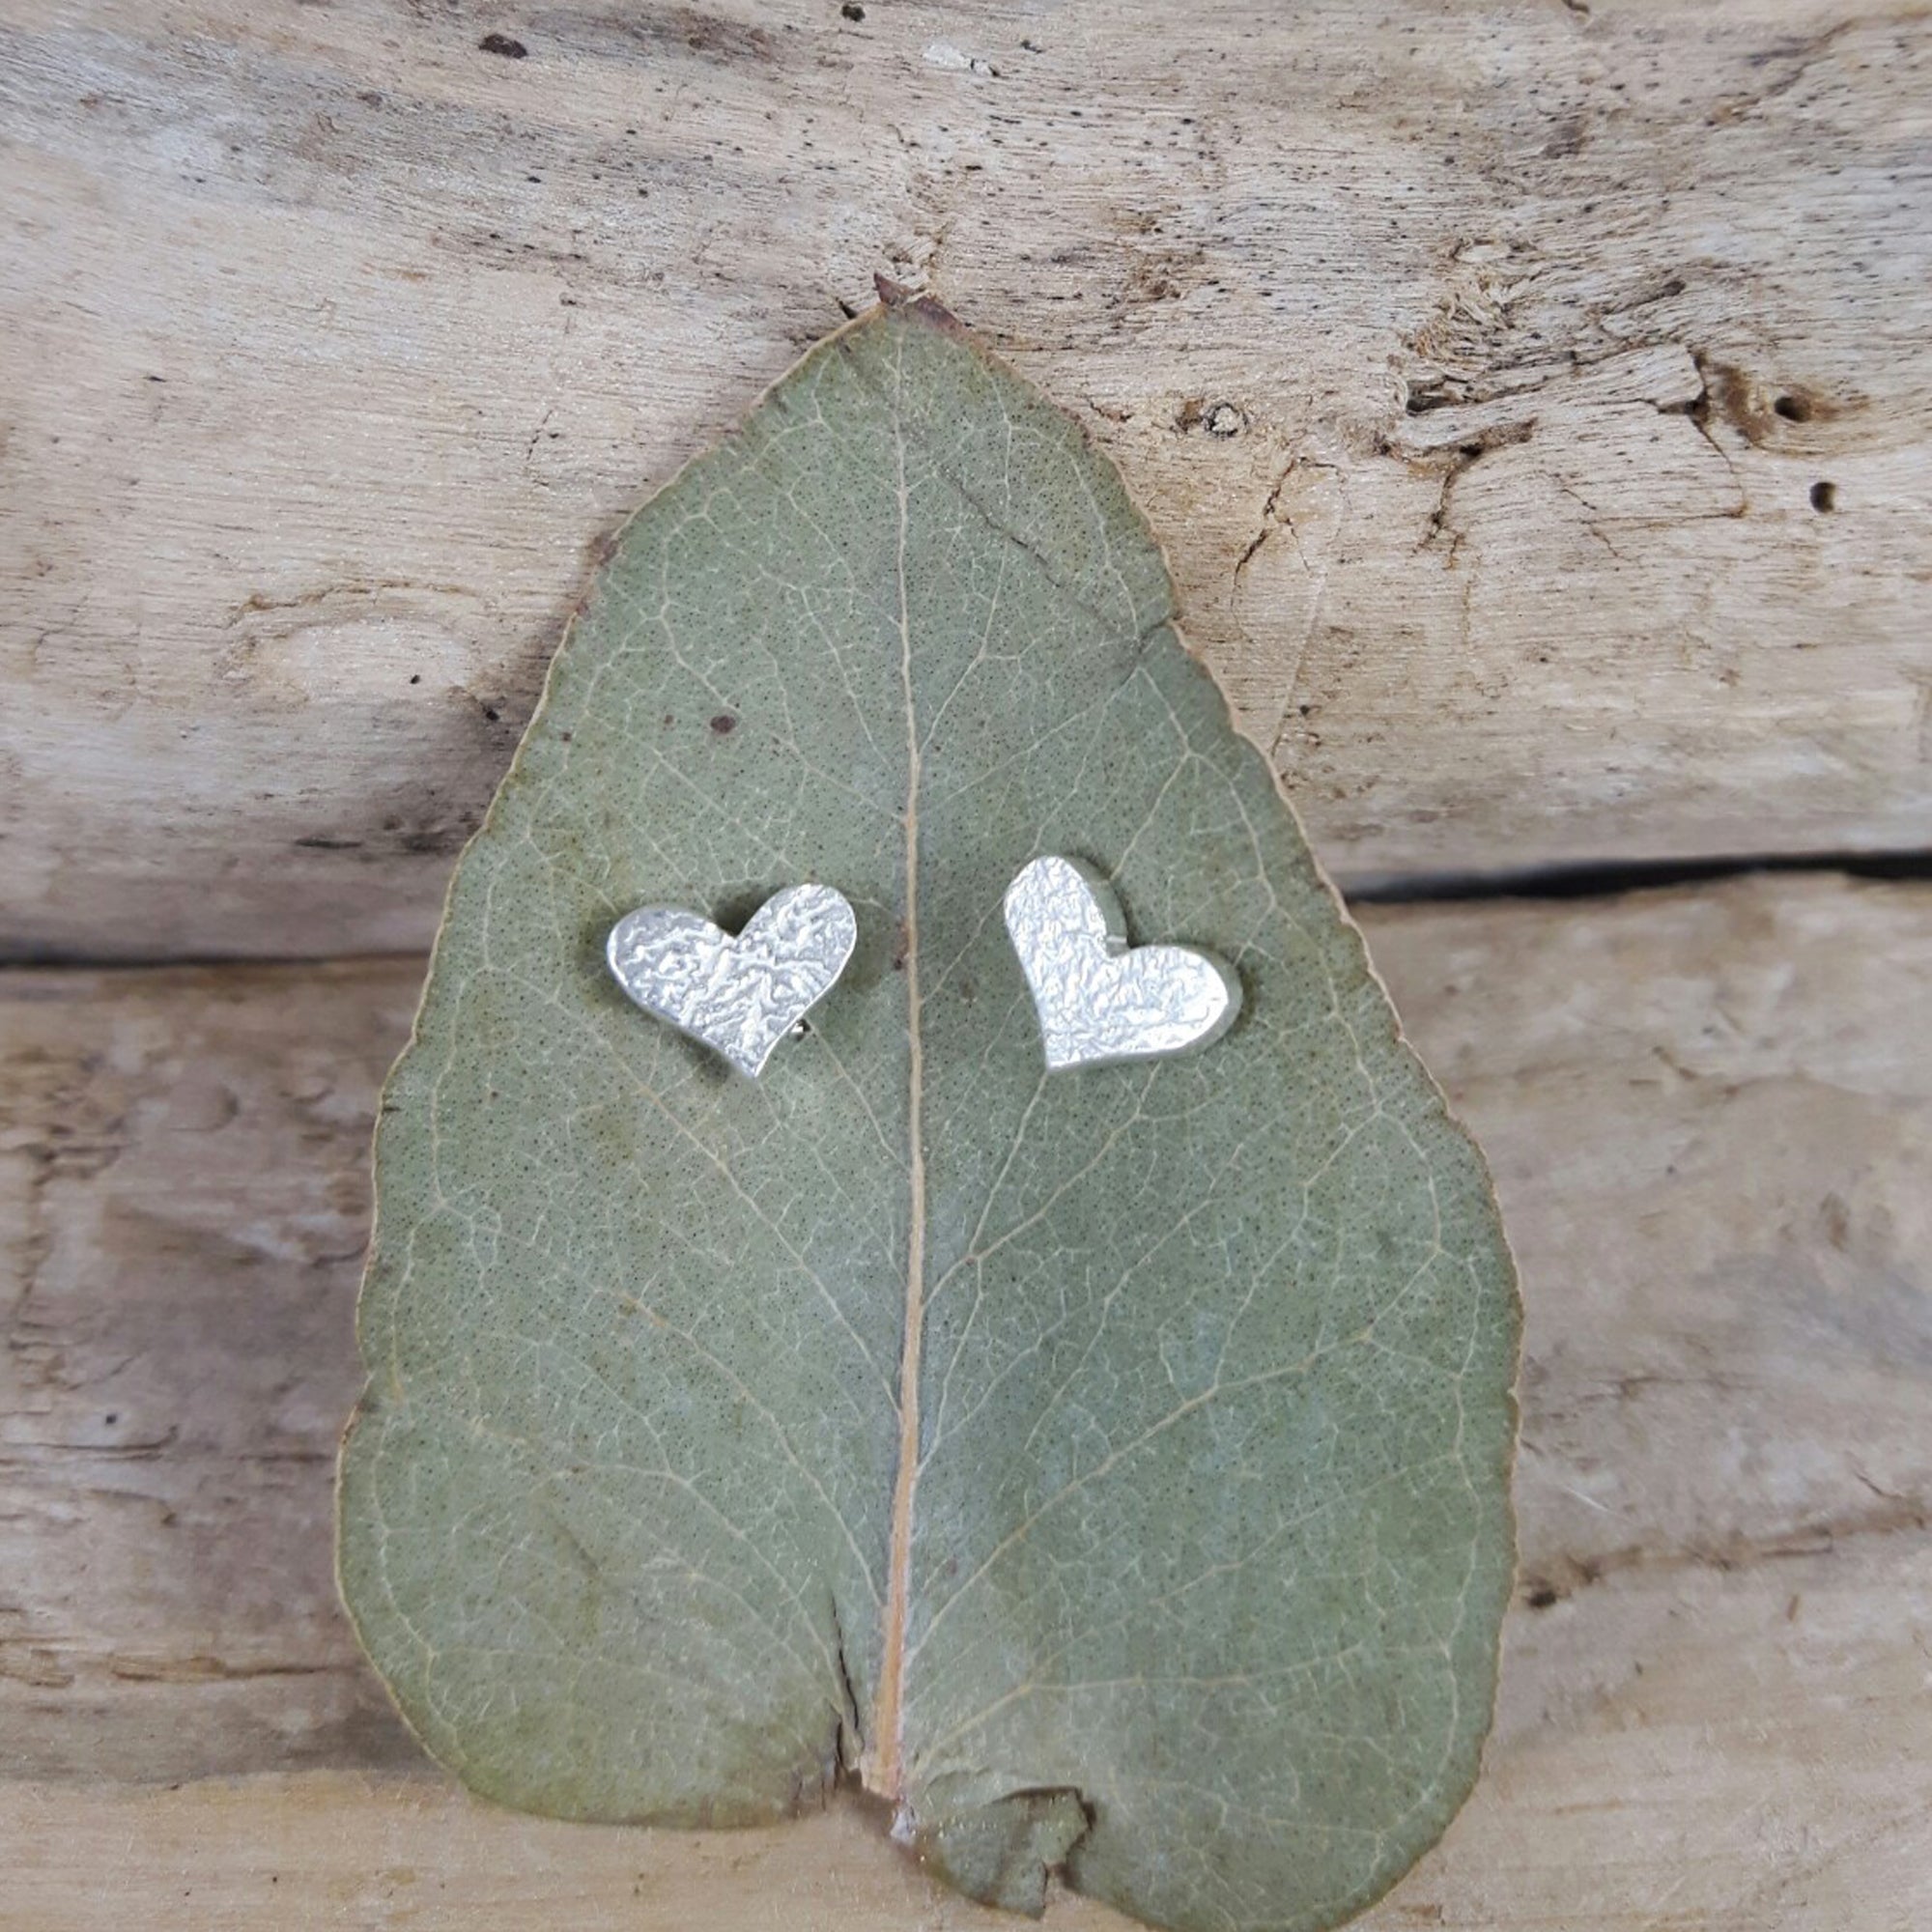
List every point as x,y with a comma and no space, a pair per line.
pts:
1793,409
1823,497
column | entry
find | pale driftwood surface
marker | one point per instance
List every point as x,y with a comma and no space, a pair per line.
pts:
1711,1118
1479,363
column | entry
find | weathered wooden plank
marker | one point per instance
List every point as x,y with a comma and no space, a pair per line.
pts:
1710,1115
184,1203
344,1848
1704,1758
1531,395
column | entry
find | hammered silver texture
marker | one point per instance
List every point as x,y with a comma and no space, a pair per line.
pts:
1099,1000
741,996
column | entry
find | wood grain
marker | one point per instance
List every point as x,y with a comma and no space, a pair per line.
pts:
1711,1118
1532,396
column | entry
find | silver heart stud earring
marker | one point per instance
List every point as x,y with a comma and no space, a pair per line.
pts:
1100,999
741,996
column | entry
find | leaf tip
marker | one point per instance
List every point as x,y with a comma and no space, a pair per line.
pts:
895,299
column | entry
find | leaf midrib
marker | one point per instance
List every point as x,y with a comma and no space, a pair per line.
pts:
883,1767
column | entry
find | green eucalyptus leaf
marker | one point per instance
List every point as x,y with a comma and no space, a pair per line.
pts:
1109,1469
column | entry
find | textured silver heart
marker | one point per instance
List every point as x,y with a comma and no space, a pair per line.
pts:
741,996
1098,999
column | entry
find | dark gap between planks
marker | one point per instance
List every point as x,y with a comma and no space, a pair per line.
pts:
1596,879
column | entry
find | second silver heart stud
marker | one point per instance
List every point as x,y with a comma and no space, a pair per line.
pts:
1100,999
741,996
